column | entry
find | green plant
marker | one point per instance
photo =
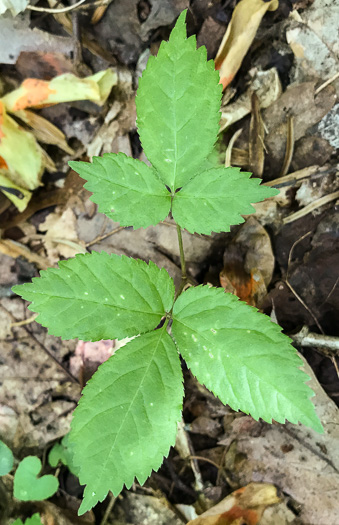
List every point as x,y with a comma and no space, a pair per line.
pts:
27,485
127,417
33,520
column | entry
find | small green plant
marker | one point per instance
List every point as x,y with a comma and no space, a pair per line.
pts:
27,485
127,418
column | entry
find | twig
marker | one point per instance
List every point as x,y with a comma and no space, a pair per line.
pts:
53,10
182,255
109,509
306,338
201,458
43,347
291,287
228,153
77,50
184,448
292,178
102,237
311,207
327,83
24,321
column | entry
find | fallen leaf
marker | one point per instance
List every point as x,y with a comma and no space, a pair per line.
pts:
14,6
239,36
61,239
43,130
248,263
15,249
34,92
256,153
244,506
265,84
17,36
305,106
18,195
21,154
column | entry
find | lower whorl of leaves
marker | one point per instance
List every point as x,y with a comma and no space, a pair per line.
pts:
99,296
242,357
127,418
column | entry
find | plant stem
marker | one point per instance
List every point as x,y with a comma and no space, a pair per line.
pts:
182,255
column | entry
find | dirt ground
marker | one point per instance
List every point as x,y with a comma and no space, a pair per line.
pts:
279,120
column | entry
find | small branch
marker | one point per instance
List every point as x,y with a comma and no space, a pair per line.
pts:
327,83
109,509
307,338
104,236
55,11
43,347
182,255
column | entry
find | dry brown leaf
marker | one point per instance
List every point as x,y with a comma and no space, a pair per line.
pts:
61,239
248,263
239,36
256,153
15,250
43,130
244,506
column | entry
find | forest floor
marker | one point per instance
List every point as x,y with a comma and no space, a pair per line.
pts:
279,120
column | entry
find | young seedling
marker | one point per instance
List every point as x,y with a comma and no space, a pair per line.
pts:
127,418
27,485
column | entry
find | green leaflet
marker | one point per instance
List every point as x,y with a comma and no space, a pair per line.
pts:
27,485
216,199
6,459
242,357
178,107
127,418
62,452
99,296
128,186
33,520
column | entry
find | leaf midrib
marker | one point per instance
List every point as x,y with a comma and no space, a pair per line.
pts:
83,299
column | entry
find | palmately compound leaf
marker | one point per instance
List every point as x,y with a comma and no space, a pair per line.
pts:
125,189
99,296
216,199
178,107
242,357
127,418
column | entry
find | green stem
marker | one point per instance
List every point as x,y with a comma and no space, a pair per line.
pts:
182,255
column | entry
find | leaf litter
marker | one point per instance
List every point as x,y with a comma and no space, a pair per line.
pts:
227,444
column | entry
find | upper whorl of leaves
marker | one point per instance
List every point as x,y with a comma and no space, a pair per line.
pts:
178,107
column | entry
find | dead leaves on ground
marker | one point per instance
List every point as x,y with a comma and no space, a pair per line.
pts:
238,38
244,506
22,160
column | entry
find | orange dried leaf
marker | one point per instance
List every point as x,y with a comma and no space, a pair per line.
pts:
63,88
35,92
